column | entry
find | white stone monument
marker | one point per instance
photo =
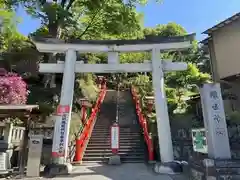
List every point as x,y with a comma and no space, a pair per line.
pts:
215,121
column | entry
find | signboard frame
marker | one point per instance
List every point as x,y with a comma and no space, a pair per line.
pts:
203,150
115,146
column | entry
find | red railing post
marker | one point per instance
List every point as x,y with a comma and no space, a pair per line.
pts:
150,148
78,151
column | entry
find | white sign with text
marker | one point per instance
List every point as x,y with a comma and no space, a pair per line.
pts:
115,137
59,143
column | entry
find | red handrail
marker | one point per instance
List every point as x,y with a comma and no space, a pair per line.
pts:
82,141
143,123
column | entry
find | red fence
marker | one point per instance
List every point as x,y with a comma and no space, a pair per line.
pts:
81,142
143,123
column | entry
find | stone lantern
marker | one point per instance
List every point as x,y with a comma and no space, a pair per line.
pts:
56,98
101,81
150,103
84,103
150,115
100,78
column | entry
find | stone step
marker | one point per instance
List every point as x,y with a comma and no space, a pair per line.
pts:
106,161
96,131
121,144
132,148
123,138
120,150
96,134
104,143
108,137
102,127
121,141
123,159
103,153
107,145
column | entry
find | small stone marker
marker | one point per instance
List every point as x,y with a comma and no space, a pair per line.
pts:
34,155
114,160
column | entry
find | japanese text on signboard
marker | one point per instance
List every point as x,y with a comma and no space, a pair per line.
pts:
217,116
62,133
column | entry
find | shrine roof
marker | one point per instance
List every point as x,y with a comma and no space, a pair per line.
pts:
150,39
222,24
18,107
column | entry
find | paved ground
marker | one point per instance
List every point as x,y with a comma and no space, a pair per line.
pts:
105,172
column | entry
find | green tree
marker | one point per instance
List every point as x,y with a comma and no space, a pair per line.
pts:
185,83
14,47
7,26
166,30
76,18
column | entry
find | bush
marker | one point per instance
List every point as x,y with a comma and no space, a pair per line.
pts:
13,90
233,117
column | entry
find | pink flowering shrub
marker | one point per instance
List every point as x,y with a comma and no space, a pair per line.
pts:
13,90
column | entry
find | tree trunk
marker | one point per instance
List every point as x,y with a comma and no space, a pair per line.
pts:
54,32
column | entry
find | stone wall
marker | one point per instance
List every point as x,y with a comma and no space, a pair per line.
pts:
182,142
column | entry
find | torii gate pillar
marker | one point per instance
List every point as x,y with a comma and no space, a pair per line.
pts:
163,125
60,152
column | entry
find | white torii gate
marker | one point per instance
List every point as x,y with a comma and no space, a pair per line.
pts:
113,47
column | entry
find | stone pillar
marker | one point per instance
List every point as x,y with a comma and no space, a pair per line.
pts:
217,164
163,125
62,124
34,155
215,122
113,58
8,130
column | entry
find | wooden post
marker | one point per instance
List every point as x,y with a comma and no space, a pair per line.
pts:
8,133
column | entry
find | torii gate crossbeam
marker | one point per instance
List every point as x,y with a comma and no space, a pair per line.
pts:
111,68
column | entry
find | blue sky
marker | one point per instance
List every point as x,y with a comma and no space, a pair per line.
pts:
194,15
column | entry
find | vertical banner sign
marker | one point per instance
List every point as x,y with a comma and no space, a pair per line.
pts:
60,133
115,138
215,121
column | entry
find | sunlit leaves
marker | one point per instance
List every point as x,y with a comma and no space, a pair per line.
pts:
87,87
166,30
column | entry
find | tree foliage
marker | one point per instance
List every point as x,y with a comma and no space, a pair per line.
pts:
7,26
87,87
114,19
179,85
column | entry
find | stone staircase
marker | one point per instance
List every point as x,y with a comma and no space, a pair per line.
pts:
131,141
